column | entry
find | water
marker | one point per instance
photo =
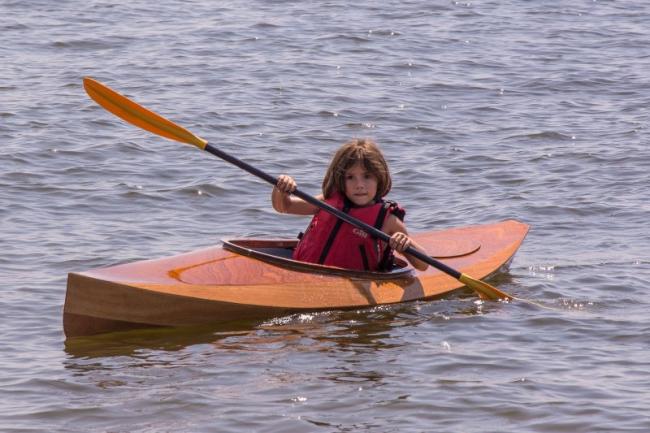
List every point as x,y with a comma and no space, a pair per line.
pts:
485,110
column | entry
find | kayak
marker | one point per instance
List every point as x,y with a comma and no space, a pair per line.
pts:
256,279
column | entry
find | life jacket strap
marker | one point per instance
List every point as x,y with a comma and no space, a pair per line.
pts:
364,257
330,239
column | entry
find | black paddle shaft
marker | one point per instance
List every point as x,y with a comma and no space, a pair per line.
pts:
334,211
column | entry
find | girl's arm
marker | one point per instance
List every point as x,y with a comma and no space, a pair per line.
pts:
284,202
400,241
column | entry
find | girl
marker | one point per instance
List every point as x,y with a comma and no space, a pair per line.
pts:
356,182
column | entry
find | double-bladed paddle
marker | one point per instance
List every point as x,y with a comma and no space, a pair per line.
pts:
139,116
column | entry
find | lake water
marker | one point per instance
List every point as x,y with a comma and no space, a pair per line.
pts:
486,110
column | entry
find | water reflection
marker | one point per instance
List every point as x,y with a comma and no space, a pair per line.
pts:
356,331
135,342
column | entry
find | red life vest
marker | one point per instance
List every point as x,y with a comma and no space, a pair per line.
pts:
330,241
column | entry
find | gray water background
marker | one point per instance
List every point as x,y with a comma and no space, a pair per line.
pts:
486,110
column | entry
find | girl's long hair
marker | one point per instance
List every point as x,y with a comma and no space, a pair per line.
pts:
359,150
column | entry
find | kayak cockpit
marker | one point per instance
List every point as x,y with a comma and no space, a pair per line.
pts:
278,252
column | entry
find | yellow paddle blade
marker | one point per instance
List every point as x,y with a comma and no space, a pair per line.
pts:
484,290
139,116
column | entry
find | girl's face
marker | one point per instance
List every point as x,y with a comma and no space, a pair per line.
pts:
360,185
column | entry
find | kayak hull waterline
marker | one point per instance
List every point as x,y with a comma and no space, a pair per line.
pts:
256,279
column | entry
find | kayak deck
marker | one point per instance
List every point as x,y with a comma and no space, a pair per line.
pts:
256,279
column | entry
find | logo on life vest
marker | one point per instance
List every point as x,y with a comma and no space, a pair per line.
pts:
360,233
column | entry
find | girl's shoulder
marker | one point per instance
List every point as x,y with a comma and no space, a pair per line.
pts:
394,208
336,199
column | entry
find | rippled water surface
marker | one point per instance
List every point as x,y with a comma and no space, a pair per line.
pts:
486,110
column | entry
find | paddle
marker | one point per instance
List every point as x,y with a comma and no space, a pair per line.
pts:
139,116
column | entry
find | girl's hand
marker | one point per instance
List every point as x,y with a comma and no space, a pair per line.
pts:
286,184
399,242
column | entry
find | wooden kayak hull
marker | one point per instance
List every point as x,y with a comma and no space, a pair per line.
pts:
249,280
